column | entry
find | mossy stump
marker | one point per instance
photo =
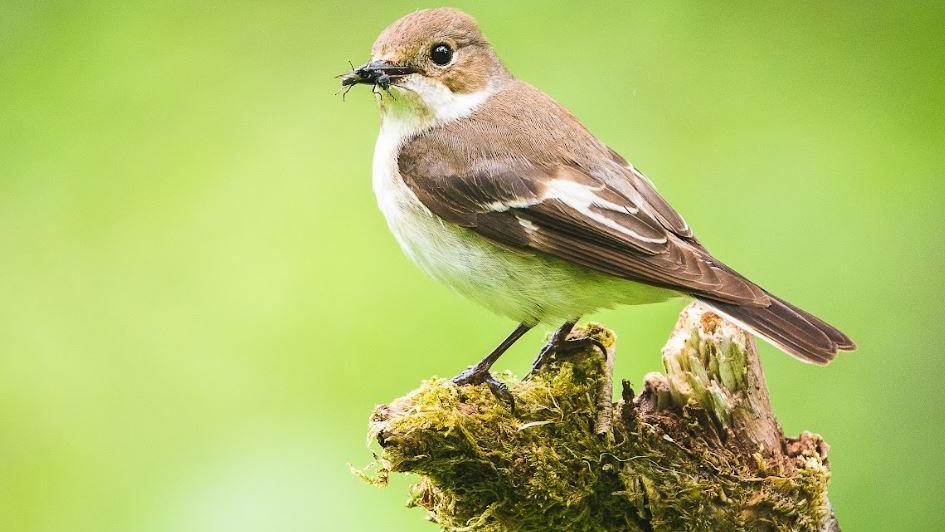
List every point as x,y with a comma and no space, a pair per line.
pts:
696,449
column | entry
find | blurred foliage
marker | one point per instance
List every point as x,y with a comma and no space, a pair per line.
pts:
201,304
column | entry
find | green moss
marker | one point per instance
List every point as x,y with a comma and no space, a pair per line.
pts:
547,468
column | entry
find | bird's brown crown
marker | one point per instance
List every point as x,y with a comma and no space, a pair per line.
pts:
411,40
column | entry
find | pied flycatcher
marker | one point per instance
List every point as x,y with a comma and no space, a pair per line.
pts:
498,191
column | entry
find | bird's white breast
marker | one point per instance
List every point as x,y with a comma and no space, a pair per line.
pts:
445,251
407,218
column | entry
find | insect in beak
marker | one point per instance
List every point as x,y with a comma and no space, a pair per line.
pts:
377,73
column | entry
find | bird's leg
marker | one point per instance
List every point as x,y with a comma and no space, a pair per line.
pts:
559,342
557,338
479,373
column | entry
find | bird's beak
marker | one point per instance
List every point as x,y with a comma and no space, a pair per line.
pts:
376,73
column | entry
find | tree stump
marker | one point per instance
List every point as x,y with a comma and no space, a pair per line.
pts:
697,449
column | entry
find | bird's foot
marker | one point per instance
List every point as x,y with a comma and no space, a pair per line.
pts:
479,374
565,346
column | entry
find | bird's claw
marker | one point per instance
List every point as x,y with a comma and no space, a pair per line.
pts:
565,346
474,375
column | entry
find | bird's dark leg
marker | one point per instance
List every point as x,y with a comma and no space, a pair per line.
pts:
479,373
559,342
557,338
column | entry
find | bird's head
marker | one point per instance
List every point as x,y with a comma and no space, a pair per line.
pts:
434,65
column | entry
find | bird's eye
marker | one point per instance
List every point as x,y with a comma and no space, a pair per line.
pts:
441,54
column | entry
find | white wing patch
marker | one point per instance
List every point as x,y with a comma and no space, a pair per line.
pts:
578,196
527,224
582,198
502,206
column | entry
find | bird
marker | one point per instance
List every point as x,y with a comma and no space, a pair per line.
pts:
498,191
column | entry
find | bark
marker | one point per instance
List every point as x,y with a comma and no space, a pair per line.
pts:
697,449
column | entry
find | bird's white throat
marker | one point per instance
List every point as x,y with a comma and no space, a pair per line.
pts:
417,103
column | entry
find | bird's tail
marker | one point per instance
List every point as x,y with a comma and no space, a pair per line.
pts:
794,331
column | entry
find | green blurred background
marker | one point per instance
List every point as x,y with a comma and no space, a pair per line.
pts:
200,303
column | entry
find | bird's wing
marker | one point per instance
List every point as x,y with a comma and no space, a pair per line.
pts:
660,208
564,211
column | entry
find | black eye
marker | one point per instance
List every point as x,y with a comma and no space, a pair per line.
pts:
441,54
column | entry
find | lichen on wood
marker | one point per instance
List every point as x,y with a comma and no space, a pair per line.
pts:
696,449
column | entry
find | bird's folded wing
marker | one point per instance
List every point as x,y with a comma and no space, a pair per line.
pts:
564,212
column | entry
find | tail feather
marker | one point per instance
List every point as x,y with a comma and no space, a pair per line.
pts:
791,329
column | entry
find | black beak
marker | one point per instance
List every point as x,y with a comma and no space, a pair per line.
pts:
375,73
